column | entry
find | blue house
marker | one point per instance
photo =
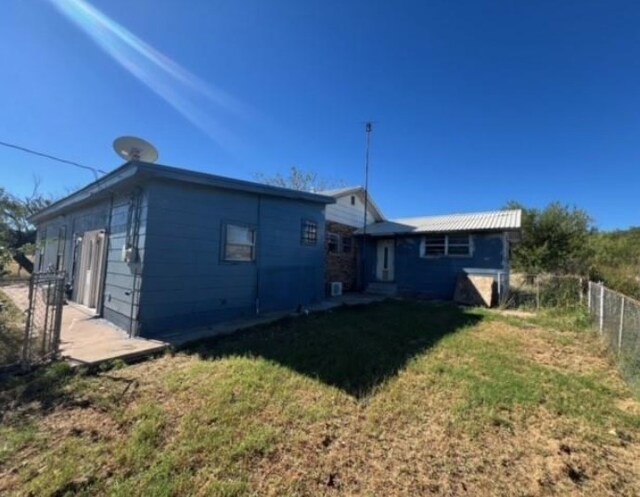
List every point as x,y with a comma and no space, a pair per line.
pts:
153,248
426,256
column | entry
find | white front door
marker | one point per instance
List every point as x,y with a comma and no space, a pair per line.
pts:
384,267
92,259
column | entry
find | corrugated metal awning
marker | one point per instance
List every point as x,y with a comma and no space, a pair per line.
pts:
477,221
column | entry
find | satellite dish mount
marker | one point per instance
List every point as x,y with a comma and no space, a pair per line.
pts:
131,148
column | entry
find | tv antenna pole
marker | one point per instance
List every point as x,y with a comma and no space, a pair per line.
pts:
368,128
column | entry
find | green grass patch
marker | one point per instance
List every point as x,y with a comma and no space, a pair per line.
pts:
353,349
365,401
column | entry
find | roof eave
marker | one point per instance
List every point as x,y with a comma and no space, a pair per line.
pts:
131,170
116,177
206,179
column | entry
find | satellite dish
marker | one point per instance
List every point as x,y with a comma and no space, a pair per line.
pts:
132,148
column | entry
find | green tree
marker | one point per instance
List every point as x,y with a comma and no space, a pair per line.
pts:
554,239
17,234
617,260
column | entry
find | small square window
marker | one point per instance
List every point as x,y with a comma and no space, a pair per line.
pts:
240,243
333,243
309,232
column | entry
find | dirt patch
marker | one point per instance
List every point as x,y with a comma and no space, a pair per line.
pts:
576,352
581,354
89,424
514,313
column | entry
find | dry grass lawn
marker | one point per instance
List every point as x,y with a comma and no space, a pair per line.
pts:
397,398
11,331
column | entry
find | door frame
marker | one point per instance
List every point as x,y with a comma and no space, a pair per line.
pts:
90,271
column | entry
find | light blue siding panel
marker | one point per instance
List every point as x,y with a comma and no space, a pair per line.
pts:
120,320
186,282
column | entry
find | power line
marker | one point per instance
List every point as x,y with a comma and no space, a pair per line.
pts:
52,157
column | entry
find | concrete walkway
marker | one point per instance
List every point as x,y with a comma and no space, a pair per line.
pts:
180,337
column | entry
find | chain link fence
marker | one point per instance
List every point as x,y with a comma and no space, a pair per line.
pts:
30,320
617,318
543,291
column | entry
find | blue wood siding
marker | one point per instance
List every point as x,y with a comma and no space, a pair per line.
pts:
123,280
186,281
119,291
90,218
436,277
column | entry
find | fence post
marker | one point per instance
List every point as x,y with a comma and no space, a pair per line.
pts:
621,324
580,291
589,296
26,346
537,293
601,307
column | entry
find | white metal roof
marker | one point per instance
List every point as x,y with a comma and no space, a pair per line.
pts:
477,221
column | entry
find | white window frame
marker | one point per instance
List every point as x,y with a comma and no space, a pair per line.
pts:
304,240
423,247
247,227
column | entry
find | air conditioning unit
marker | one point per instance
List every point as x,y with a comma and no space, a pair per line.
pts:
336,288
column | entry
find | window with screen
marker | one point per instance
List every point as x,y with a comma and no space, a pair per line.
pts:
435,245
458,245
451,245
240,243
309,232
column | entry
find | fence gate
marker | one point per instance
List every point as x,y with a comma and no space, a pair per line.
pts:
44,317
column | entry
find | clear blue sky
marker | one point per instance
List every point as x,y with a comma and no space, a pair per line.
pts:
475,102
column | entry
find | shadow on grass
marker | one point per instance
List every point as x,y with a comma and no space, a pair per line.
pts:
354,348
11,339
41,389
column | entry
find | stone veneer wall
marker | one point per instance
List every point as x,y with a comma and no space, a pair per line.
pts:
340,266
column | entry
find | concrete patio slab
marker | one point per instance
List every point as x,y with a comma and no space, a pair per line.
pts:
89,340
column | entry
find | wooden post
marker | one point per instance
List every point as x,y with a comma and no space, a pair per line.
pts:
621,324
601,307
589,296
537,293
